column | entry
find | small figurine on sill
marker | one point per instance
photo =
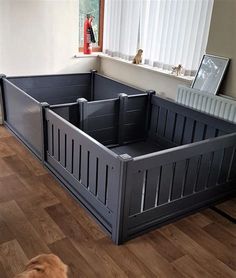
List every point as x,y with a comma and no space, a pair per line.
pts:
177,69
138,57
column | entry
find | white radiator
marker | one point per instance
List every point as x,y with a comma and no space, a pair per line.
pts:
215,105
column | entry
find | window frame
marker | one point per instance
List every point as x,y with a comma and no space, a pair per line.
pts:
101,26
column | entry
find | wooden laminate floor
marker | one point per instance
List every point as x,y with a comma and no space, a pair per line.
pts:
38,216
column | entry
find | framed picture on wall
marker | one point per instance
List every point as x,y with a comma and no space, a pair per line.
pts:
210,73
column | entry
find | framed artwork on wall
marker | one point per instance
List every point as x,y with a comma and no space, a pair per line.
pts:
210,73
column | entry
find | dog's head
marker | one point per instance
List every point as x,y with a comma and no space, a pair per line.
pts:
140,51
45,265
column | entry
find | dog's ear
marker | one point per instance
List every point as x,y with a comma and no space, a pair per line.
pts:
35,264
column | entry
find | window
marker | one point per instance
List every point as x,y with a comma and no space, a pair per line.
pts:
170,32
95,8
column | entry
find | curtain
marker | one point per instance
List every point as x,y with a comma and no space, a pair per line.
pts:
170,32
121,27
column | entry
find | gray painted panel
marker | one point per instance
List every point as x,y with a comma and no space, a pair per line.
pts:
152,183
106,88
137,103
136,182
50,138
196,115
165,183
59,95
188,131
63,148
93,173
102,122
179,129
63,112
134,132
154,120
199,132
161,126
56,142
137,116
55,89
76,160
204,170
69,154
178,179
56,80
170,125
23,115
184,152
108,135
191,175
103,107
215,167
81,191
232,173
102,181
210,132
160,215
225,167
84,166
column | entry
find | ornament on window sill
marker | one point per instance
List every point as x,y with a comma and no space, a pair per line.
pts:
138,57
177,69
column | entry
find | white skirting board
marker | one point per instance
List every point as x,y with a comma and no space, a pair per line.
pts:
214,105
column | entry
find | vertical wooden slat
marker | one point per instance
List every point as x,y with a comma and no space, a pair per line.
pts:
170,125
151,188
112,187
226,165
191,175
69,154
56,143
204,170
150,93
179,127
102,181
76,157
123,100
50,143
84,166
210,132
178,179
154,119
63,143
232,173
136,183
198,132
161,121
83,109
220,133
188,131
165,183
93,173
215,168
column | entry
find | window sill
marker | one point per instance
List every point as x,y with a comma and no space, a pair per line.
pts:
82,55
189,79
149,68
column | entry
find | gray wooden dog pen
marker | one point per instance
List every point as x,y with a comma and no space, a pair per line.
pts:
135,161
25,96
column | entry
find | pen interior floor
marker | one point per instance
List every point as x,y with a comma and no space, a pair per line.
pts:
38,216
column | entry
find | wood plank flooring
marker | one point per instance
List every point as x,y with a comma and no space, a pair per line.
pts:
38,216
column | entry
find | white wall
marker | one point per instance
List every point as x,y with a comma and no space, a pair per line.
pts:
40,37
141,77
